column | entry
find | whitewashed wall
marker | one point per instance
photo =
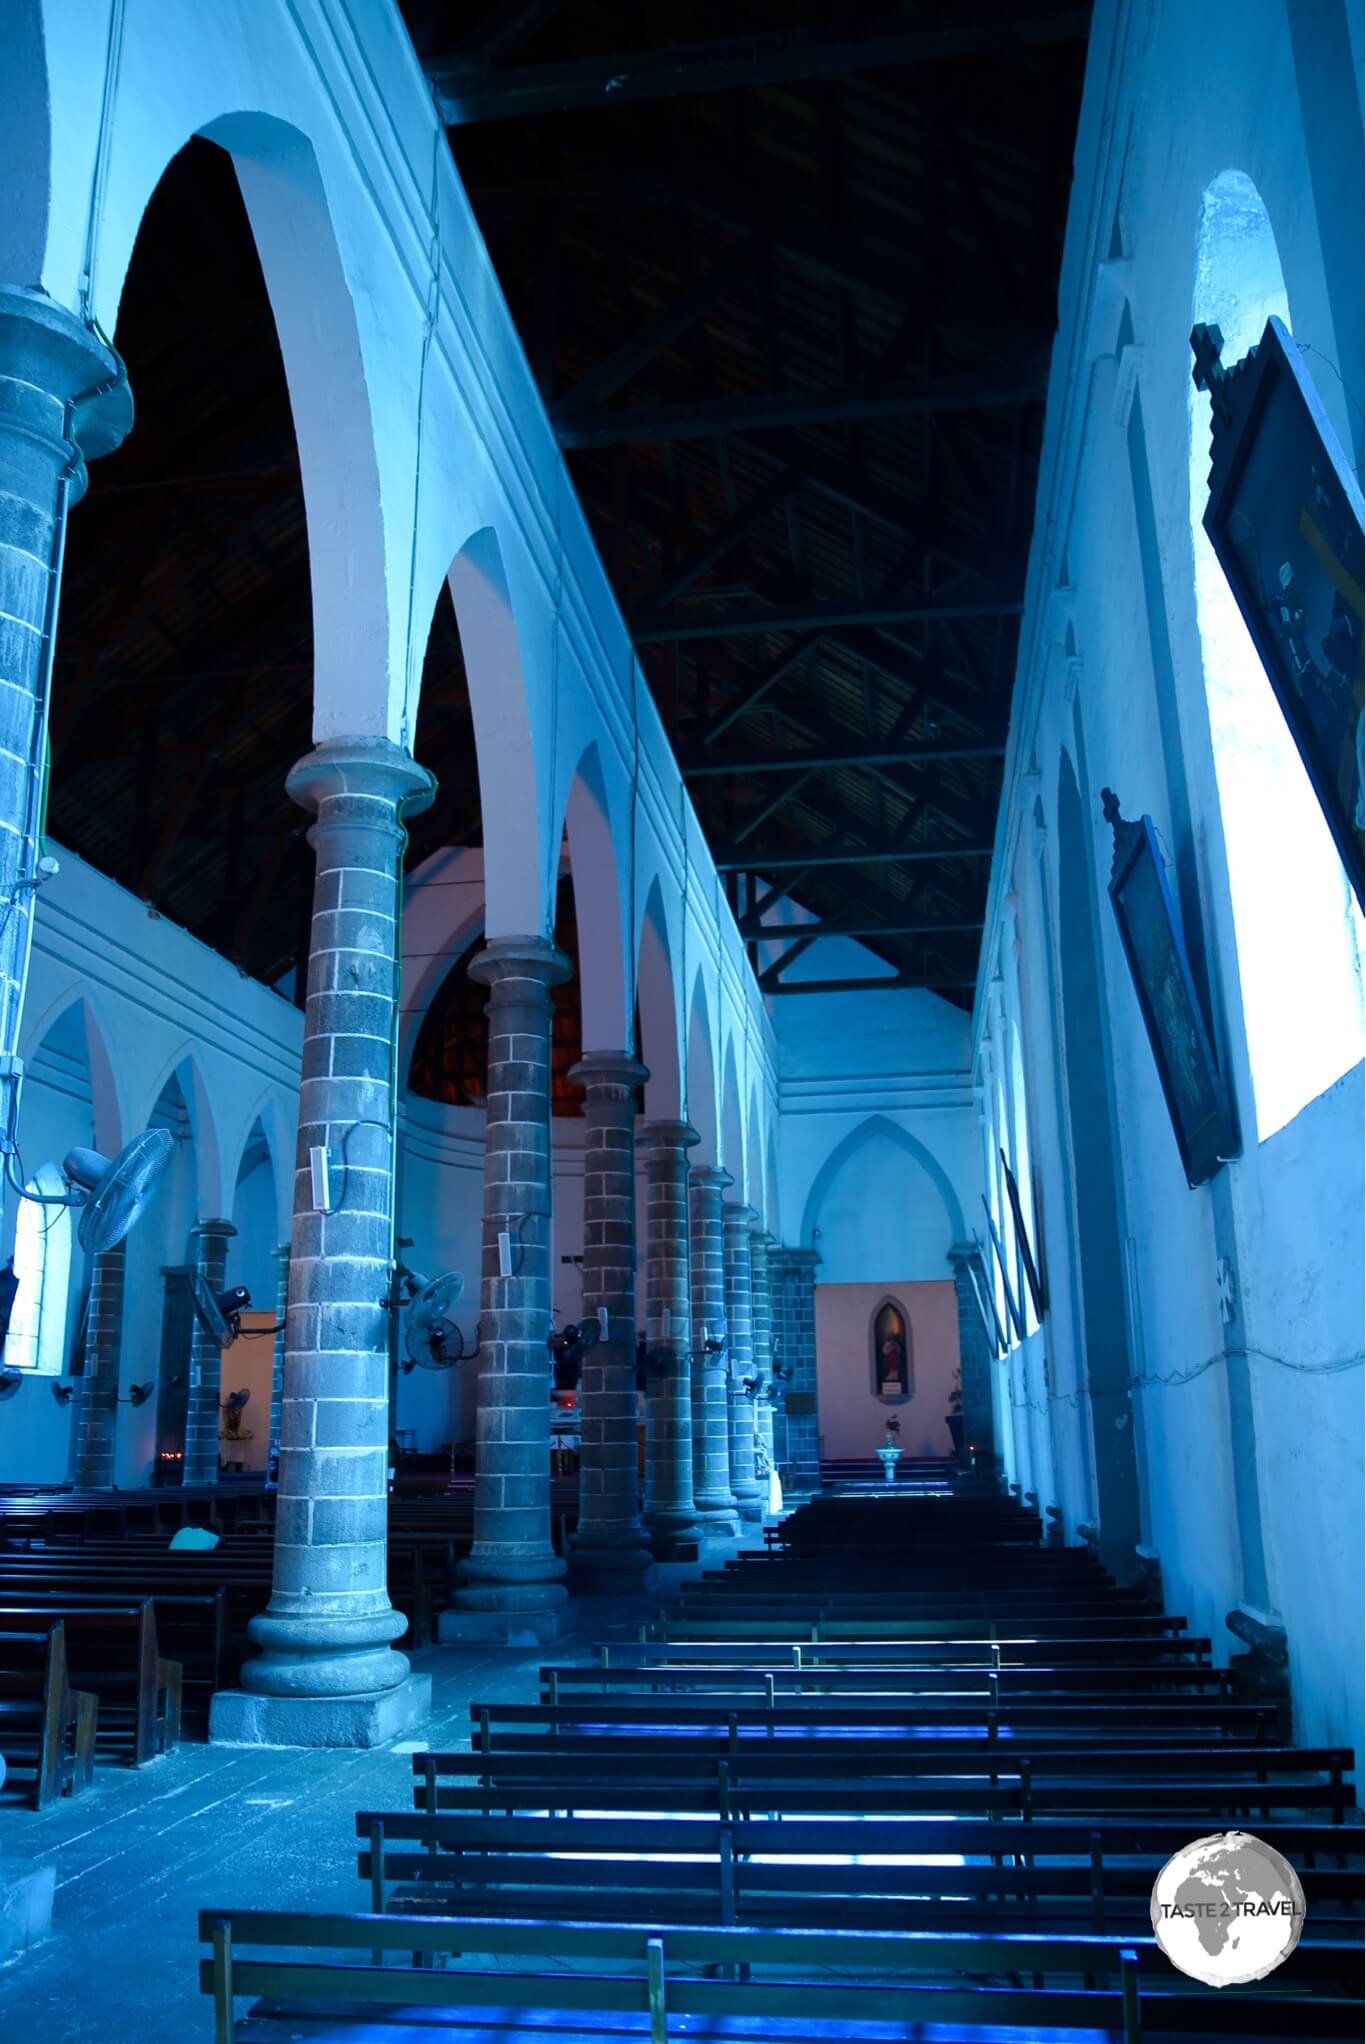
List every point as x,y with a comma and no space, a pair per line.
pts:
1251,1489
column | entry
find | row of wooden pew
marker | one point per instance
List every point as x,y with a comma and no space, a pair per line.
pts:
79,1678
75,1555
912,1769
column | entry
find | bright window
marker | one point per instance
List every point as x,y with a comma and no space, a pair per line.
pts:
42,1265
1300,935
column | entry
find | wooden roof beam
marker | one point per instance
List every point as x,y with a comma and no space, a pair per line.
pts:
466,93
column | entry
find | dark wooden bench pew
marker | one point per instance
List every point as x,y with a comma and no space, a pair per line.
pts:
794,1873
1094,1718
339,1975
240,1565
824,1777
970,1624
192,1629
909,1602
112,1651
972,1648
47,1728
946,1677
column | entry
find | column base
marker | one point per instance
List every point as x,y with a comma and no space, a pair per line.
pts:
675,1536
239,1718
719,1522
602,1570
752,1510
505,1625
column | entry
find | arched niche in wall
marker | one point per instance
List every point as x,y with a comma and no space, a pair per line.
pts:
891,1352
1299,932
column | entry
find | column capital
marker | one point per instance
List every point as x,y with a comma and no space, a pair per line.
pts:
736,1214
598,1070
761,1234
658,1137
714,1177
520,958
372,769
211,1230
51,351
794,1259
962,1252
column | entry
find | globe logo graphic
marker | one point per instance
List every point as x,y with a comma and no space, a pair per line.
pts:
1227,1909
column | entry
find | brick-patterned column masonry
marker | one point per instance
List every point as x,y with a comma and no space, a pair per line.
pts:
63,396
326,1637
97,1409
277,1375
749,1493
760,1242
974,1352
209,1259
511,1576
670,1513
610,1549
712,1494
792,1275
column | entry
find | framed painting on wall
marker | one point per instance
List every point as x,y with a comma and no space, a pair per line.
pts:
1192,1085
1284,517
891,1358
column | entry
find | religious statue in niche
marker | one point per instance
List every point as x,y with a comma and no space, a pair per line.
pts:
891,1352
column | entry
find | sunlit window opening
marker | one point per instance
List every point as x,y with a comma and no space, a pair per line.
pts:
42,1265
1299,932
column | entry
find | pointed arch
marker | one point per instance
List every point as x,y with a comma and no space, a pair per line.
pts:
269,1124
732,1123
354,637
443,913
880,1127
595,828
702,1109
758,1192
1298,932
519,901
111,1125
658,1004
212,1197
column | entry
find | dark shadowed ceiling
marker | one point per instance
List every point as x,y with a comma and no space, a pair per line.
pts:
786,275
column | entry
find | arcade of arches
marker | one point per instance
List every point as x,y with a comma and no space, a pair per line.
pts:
678,871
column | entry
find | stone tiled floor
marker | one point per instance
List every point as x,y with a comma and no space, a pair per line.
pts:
141,1853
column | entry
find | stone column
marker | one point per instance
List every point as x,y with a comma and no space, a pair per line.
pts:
792,1273
611,1553
510,1583
277,1379
63,399
670,1512
209,1259
974,1353
760,1241
327,1674
745,1486
712,1494
97,1407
